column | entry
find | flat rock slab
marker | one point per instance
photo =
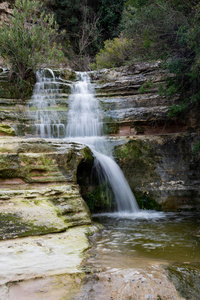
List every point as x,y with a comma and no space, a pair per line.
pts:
48,288
145,283
39,257
125,284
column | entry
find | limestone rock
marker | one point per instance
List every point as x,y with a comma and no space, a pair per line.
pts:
5,12
39,193
163,168
130,97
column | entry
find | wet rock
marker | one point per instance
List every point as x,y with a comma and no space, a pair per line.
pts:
186,278
142,283
162,168
6,130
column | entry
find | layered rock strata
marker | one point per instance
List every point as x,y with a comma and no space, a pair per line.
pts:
39,193
132,102
132,107
44,220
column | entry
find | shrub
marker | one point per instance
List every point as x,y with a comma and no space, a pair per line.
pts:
115,53
28,41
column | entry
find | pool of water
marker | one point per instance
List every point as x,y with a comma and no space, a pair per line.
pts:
127,238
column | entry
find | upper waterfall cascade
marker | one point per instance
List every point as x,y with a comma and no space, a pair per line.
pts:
84,113
45,95
84,126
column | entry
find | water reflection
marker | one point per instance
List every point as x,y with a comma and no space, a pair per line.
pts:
155,236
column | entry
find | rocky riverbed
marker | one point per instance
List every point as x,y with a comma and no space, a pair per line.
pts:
44,219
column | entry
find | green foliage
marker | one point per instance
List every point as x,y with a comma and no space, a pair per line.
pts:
80,22
100,199
110,12
196,148
154,25
145,201
88,23
145,87
28,41
168,30
176,109
115,53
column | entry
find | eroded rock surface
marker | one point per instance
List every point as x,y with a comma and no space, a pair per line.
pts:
28,264
164,168
39,193
131,100
44,222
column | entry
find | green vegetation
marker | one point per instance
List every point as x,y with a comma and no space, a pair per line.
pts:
12,226
87,25
108,33
145,201
146,86
163,29
27,42
196,148
115,53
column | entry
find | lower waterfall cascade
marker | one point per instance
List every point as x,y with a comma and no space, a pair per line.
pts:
84,126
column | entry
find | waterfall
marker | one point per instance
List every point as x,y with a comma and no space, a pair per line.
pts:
43,103
85,126
83,116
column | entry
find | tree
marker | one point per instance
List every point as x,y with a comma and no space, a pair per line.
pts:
80,21
110,12
169,29
28,41
88,23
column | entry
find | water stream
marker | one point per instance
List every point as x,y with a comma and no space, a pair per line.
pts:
44,100
85,125
167,237
132,238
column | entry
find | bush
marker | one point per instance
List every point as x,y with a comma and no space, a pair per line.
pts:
115,53
28,41
168,30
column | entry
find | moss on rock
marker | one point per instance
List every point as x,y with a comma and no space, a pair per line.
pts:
12,225
145,201
6,130
137,160
186,278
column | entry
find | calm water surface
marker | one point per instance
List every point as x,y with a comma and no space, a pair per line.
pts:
148,236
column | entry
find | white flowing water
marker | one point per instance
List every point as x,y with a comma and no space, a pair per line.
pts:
83,115
43,103
85,126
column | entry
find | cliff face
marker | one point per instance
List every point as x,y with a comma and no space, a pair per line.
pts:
157,156
132,103
156,153
162,168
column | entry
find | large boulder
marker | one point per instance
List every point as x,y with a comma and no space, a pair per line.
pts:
39,191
